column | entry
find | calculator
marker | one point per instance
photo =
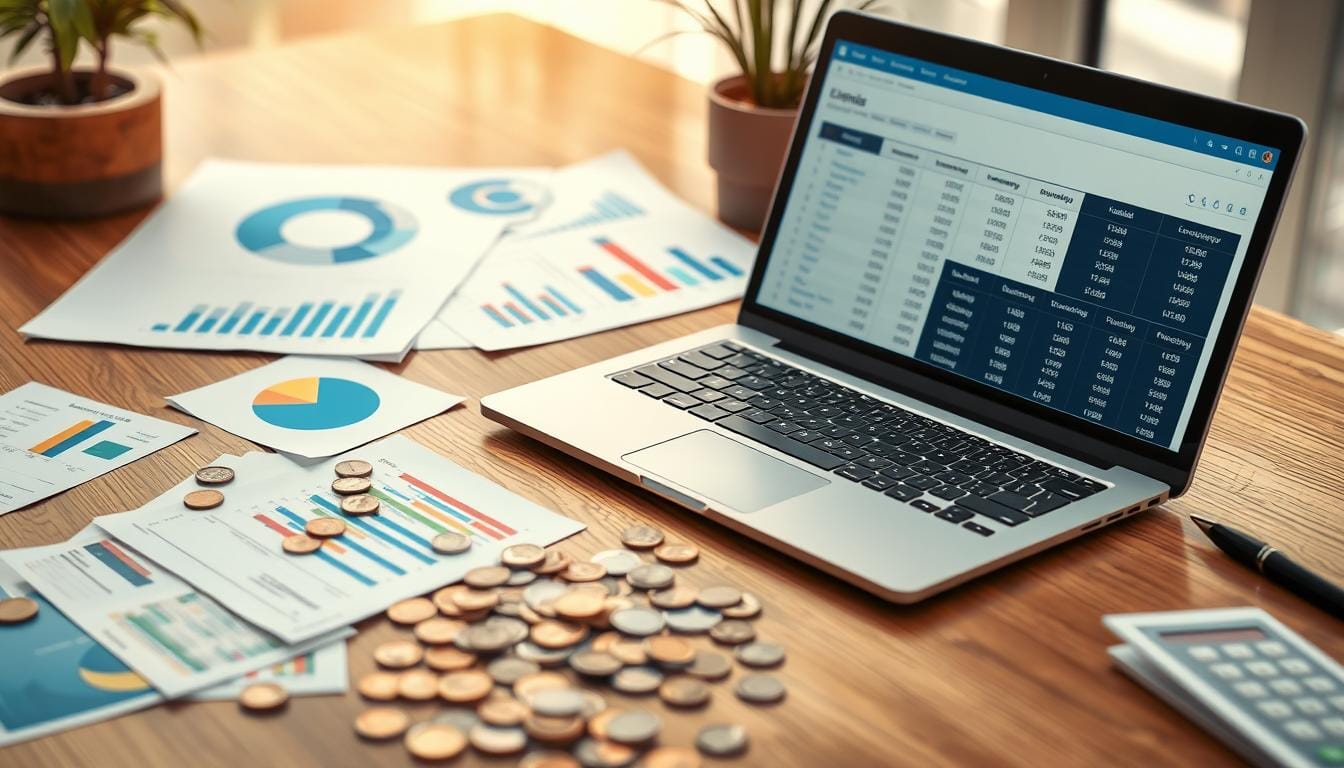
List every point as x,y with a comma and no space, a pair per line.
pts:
1241,675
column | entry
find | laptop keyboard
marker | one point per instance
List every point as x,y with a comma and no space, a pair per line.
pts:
928,465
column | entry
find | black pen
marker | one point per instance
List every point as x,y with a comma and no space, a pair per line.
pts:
1280,569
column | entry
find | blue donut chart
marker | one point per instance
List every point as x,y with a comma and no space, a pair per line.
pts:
261,232
499,197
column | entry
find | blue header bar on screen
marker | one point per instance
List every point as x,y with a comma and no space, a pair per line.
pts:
1184,137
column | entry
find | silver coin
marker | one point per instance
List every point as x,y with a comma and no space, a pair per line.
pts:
218,476
590,754
542,591
717,597
593,703
760,689
556,702
492,635
709,665
521,578
595,663
633,728
733,632
451,543
637,680
722,740
637,621
495,740
613,585
760,654
546,657
748,608
509,606
507,669
460,718
692,620
651,576
618,562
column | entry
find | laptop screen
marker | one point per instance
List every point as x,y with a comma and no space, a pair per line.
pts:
1070,254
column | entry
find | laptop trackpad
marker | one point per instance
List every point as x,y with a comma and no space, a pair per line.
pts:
721,469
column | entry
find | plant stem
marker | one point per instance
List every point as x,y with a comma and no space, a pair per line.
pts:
98,87
64,83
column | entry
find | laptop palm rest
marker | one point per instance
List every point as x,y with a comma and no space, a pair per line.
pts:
720,469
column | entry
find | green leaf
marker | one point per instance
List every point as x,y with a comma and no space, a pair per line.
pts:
25,39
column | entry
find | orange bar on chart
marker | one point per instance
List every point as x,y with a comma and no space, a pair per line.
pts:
634,284
61,436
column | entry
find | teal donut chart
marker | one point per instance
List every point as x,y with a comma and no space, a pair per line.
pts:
261,232
499,197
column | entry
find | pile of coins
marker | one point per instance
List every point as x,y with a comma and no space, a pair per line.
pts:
523,650
352,484
210,497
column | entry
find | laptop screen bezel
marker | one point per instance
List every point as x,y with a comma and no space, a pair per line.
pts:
1051,428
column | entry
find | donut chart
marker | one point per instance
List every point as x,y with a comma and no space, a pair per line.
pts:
314,403
499,197
261,232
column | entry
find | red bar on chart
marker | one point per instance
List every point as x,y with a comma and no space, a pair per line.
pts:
446,499
630,261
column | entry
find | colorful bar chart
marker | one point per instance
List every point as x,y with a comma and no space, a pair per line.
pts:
70,437
607,207
190,621
122,564
306,319
630,260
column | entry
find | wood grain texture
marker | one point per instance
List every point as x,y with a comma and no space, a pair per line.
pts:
1008,670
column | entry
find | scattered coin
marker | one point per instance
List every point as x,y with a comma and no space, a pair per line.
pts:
350,486
553,730
446,658
522,556
672,757
460,718
494,740
486,576
721,740
558,634
760,654
618,562
300,544
719,597
709,665
580,571
360,504
438,630
214,475
640,622
263,697
579,604
378,686
491,636
465,686
669,651
760,689
435,741
475,599
595,663
398,654
528,686
733,632
204,499
684,692
634,728
543,591
599,753
641,537
548,759
520,578
546,657
556,702
418,685
325,527
593,703
555,562
381,723
673,597
597,724
502,711
412,611
693,620
637,680
353,468
651,576
506,670
677,554
629,651
16,610
748,608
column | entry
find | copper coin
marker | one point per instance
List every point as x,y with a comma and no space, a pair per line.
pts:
360,504
557,634
486,576
263,697
719,597
451,543
476,599
398,654
673,597
677,554
548,759
214,475
466,686
684,692
555,562
748,608
353,468
522,556
603,753
16,610
349,486
301,544
580,604
381,723
629,651
324,527
507,670
553,730
709,665
732,632
418,685
443,600
641,537
434,741
412,611
497,740
438,630
582,571
502,711
378,686
672,757
669,650
603,642
446,658
595,663
204,499
528,686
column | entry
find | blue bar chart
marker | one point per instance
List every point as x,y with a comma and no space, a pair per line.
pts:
304,319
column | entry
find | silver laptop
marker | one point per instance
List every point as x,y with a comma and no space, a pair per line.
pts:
994,304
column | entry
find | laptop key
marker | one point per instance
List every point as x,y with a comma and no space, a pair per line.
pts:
757,416
741,360
941,456
754,382
1010,500
879,483
708,395
952,477
717,351
1066,488
783,427
898,472
955,514
731,373
701,361
683,369
632,379
848,452
924,505
927,467
681,400
657,391
733,406
904,493
662,376
993,510
874,462
947,492
977,528
715,382
806,435
764,403
922,483
854,472
739,392
980,489
769,438
709,412
1046,502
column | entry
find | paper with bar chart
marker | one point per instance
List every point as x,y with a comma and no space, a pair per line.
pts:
322,260
233,553
52,440
314,406
314,673
176,638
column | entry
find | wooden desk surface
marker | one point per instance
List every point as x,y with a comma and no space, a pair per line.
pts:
1011,669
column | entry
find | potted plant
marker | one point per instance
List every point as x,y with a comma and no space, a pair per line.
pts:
751,114
77,142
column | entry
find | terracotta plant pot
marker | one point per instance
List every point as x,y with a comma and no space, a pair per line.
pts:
747,145
84,160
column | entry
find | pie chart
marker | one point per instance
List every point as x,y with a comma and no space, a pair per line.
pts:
315,403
